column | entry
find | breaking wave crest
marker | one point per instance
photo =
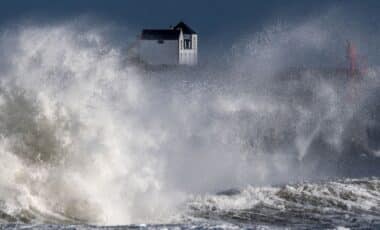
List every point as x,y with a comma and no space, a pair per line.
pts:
351,203
88,136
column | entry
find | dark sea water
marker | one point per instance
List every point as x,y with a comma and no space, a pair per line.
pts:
339,204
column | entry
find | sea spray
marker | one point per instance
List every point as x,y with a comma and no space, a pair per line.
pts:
87,136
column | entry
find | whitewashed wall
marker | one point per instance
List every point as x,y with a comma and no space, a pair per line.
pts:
155,53
189,56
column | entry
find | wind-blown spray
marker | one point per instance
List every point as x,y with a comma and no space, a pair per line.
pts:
89,137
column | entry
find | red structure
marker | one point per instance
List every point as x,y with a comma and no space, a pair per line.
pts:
352,59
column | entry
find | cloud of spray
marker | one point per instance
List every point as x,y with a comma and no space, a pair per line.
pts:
88,136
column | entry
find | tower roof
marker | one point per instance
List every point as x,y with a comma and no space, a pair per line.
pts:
185,28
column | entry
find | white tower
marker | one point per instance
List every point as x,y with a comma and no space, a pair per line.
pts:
188,45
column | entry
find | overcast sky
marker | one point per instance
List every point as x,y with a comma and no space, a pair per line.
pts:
206,16
219,21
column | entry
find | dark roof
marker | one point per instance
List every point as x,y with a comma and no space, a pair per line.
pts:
185,28
169,34
160,34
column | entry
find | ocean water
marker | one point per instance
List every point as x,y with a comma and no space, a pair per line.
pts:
352,203
89,138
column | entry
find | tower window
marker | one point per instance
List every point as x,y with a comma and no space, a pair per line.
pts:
187,43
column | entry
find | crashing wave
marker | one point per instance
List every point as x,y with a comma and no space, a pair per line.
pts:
86,136
350,203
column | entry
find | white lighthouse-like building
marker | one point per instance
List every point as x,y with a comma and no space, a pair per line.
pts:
174,46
